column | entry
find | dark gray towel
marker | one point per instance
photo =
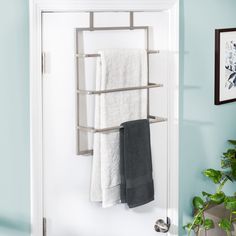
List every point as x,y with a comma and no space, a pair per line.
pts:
136,163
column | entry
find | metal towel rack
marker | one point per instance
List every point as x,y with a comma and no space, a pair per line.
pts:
153,119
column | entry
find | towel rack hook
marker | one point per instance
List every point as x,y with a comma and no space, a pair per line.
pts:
91,21
131,18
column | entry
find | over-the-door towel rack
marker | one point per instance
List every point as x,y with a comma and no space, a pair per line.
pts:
153,119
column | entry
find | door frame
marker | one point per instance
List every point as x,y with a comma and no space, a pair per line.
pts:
37,8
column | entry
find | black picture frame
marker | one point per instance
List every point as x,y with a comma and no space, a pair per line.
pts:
218,66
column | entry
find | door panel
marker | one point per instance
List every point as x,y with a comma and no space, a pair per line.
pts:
67,207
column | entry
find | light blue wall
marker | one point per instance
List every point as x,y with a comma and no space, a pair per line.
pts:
204,127
14,119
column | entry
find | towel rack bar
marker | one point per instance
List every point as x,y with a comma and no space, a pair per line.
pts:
112,28
93,92
116,128
86,152
81,55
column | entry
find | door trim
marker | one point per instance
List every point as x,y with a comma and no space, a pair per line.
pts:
37,8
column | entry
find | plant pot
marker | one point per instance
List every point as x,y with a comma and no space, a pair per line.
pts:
217,212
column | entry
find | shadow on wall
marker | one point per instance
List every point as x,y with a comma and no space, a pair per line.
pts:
14,224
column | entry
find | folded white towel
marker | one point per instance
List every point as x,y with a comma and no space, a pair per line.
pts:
116,68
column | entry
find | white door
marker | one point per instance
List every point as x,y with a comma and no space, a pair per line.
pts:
66,176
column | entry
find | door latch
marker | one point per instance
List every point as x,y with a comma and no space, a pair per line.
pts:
162,226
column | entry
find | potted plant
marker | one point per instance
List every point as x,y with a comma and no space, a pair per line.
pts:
202,203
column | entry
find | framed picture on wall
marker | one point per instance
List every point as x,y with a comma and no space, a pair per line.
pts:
225,66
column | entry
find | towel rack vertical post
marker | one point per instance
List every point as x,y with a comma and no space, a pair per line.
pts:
91,21
77,95
131,19
148,74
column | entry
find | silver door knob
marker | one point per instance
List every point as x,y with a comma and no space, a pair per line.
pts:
162,226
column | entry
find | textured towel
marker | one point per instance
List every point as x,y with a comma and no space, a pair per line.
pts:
136,163
116,68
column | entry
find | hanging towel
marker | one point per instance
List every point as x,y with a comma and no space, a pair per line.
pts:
136,163
116,68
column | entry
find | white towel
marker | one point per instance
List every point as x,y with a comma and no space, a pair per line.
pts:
116,68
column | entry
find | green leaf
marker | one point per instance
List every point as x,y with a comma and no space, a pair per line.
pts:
214,175
205,194
187,226
225,163
232,142
198,203
208,224
229,154
198,220
230,151
234,173
230,203
217,198
225,224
